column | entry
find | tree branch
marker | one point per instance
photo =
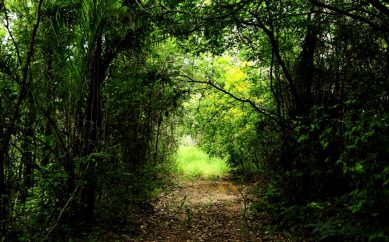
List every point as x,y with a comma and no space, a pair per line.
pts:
381,7
61,212
6,24
353,16
280,61
250,102
23,84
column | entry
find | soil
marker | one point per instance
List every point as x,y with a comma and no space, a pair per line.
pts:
198,210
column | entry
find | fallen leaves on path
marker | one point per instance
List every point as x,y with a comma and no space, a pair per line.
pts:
200,210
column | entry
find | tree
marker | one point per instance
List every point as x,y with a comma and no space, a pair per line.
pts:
319,74
56,142
8,128
91,93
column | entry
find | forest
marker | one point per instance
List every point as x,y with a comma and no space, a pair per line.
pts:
95,96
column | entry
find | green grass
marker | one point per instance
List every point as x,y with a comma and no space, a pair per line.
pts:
191,161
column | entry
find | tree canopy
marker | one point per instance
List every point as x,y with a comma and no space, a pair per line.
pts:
94,95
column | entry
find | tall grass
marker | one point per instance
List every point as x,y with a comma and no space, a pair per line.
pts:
191,161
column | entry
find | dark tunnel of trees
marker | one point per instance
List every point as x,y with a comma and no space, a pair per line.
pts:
94,93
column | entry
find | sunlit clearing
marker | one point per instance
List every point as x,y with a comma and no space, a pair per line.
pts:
193,162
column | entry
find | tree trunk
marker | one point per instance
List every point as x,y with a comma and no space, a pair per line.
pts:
3,192
305,69
27,159
92,130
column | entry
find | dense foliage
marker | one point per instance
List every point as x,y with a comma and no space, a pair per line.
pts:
320,132
91,93
85,105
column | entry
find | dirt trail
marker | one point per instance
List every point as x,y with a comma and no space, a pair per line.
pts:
200,210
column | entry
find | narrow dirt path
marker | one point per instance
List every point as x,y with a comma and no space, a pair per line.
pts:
200,210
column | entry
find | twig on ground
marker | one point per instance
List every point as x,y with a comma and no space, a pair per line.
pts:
244,214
